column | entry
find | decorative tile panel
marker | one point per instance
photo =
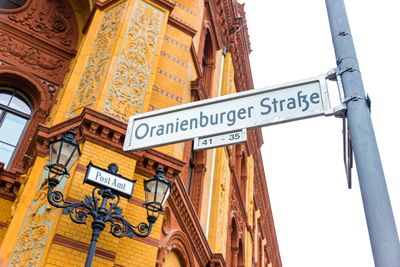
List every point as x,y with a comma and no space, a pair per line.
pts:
99,56
130,79
36,229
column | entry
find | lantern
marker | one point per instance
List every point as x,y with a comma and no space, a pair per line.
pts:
157,190
64,152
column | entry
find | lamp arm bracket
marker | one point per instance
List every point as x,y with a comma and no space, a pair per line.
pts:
121,227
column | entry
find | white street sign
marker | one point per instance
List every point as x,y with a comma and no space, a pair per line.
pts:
99,177
220,140
229,113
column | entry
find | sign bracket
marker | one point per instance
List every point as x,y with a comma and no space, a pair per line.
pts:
340,111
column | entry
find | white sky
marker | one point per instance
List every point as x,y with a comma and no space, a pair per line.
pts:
319,222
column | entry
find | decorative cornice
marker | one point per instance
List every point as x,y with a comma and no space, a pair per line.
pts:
217,260
152,159
184,211
106,131
261,196
231,18
195,59
169,6
198,89
266,220
165,4
10,183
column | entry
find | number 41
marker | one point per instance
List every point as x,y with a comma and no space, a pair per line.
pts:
207,142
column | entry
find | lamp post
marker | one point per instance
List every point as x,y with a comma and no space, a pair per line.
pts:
64,152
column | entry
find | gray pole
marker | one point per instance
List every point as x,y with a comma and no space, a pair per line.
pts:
378,211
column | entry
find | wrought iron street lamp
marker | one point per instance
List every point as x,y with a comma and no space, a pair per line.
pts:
64,152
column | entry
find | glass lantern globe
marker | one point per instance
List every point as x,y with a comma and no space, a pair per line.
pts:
157,190
64,152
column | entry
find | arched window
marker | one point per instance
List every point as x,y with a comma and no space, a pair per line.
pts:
190,170
241,255
208,63
15,112
232,245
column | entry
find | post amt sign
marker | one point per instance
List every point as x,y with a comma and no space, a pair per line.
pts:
97,176
244,110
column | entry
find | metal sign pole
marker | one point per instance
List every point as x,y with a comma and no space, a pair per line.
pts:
378,211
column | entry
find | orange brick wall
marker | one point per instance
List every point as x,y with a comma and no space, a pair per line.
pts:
71,241
5,214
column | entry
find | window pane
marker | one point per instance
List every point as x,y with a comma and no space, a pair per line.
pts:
5,153
5,97
18,104
11,129
11,4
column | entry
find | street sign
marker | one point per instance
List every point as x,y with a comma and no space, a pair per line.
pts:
220,140
100,177
229,113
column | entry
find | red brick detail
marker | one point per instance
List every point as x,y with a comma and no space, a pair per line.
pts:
148,240
136,201
39,44
82,247
81,168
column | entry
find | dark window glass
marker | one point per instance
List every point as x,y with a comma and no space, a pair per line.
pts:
11,4
190,170
15,112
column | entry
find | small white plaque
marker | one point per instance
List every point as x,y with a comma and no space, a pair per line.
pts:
220,140
100,177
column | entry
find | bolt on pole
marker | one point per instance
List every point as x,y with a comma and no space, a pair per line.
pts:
378,210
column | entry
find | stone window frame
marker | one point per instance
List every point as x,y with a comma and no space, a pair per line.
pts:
37,92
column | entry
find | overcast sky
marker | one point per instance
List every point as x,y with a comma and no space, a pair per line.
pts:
319,222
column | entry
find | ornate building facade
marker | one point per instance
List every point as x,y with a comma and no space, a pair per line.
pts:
90,65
